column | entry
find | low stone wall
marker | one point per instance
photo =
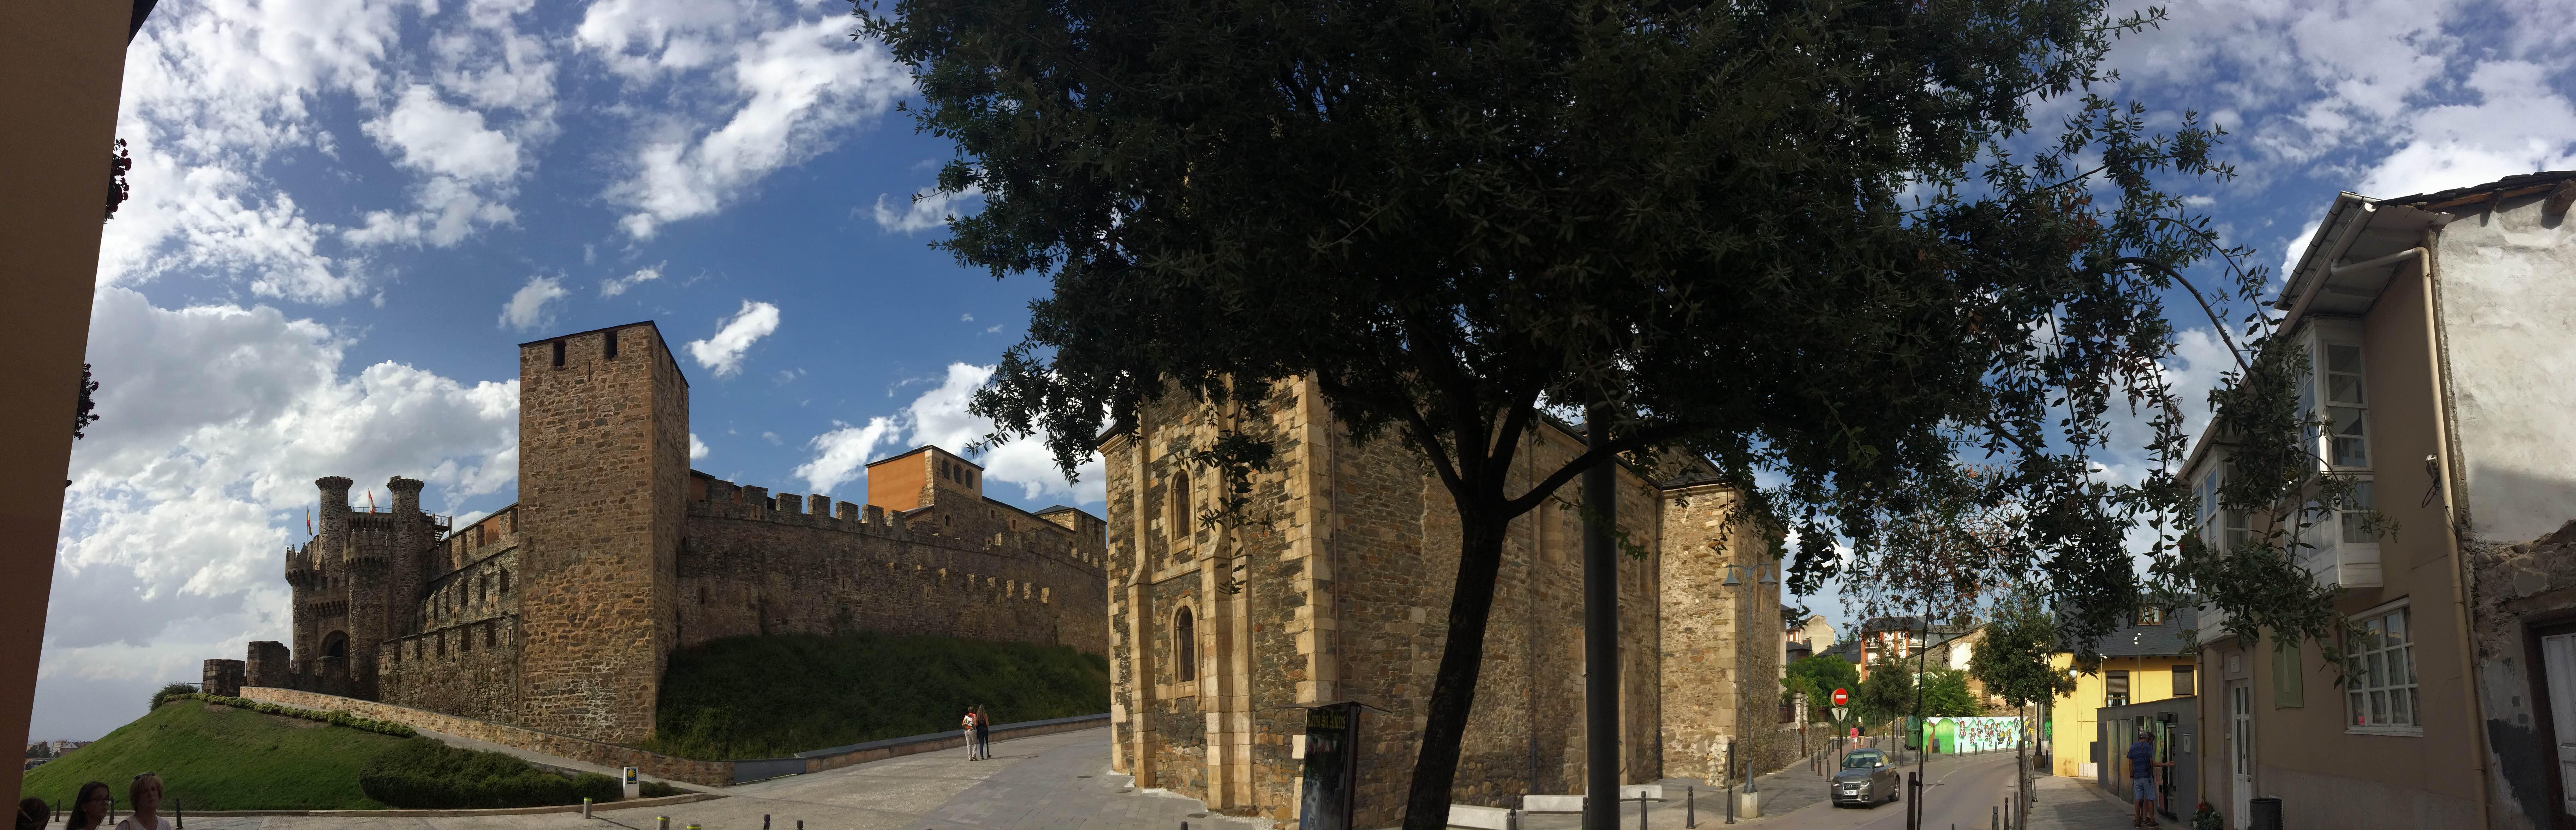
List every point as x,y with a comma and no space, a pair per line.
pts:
709,773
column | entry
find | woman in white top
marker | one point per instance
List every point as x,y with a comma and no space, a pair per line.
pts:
967,724
144,795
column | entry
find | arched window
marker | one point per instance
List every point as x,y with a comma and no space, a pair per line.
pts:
1179,499
1185,647
335,645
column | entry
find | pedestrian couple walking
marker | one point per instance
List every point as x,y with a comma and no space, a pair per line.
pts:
979,733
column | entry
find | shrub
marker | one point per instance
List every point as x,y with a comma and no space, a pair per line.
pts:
265,708
167,692
425,774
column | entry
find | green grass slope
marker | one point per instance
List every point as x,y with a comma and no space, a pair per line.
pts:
220,758
775,696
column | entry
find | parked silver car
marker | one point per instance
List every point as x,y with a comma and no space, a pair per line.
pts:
1867,778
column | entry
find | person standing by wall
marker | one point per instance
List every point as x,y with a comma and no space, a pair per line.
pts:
966,725
983,732
2142,779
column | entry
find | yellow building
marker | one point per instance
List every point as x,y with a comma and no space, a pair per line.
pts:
2146,660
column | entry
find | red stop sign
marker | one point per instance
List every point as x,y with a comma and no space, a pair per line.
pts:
1842,697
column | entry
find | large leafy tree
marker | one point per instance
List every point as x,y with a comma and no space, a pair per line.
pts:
1817,676
1815,238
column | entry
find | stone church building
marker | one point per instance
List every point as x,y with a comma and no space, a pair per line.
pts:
560,612
1332,582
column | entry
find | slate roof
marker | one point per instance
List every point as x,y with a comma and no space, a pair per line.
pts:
2507,183
2174,637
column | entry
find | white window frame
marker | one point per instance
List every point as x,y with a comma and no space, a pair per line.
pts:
2357,692
2319,387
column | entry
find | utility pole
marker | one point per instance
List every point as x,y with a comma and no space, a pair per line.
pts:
1600,631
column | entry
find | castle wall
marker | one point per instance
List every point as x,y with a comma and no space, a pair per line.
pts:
1336,585
468,669
746,568
603,469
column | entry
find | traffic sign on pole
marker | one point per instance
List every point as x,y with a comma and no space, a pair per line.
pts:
1838,714
1842,697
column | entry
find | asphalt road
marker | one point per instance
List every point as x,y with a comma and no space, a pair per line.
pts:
1965,796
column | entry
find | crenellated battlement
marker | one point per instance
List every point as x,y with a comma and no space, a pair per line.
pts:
1022,533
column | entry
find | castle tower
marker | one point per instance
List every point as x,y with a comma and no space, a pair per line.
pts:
603,471
326,576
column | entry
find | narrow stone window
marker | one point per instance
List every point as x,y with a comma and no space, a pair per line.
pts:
559,347
612,344
702,595
1179,499
1185,647
505,580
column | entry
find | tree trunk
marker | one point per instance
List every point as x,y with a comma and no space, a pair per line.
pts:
1462,658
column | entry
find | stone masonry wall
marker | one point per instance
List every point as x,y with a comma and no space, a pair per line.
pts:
746,568
2517,587
1722,644
709,773
1335,585
468,669
603,468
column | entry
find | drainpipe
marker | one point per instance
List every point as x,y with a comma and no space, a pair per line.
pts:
2461,573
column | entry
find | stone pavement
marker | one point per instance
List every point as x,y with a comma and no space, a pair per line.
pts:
2079,804
1037,783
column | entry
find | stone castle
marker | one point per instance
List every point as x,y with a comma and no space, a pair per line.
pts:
1332,582
560,612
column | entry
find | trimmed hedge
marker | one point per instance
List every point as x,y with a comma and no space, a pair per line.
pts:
425,774
332,718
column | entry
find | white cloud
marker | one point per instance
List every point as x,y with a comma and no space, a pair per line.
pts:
939,417
734,336
697,448
793,87
614,286
527,306
840,455
930,208
430,135
178,513
2518,125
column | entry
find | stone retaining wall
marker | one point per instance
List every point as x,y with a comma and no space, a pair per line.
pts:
709,773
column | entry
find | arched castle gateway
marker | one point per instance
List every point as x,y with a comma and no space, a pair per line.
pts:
558,613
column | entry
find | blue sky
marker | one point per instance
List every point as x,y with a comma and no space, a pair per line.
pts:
346,214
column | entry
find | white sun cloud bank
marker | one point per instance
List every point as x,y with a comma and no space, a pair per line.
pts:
785,88
176,521
939,417
735,336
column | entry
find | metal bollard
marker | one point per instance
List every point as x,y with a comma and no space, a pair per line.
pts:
1690,812
695,827
661,823
182,810
764,821
1730,802
585,806
1641,810
1998,822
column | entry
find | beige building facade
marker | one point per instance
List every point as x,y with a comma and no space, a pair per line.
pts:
1332,582
2441,332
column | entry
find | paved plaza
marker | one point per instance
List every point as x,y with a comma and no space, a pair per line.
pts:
1061,781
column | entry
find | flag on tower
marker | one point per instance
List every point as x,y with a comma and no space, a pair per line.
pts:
371,500
308,521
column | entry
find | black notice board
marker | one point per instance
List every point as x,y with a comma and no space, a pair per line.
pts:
1332,767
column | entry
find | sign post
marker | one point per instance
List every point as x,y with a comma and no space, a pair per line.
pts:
633,789
1332,767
